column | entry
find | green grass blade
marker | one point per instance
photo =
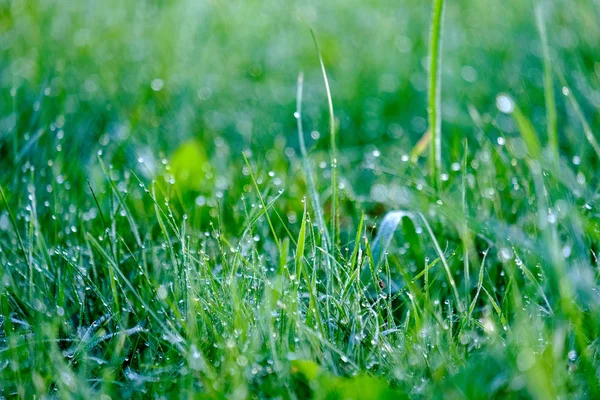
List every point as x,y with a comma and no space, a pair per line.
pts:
479,284
262,202
548,84
440,253
300,247
333,149
314,195
507,105
434,92
587,130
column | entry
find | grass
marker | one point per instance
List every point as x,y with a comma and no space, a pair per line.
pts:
434,93
174,224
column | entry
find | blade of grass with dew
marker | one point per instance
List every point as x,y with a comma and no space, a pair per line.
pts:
300,247
587,130
465,225
496,308
354,259
333,148
128,215
507,105
256,216
165,235
438,249
14,225
285,247
262,202
479,286
371,270
112,265
306,163
116,311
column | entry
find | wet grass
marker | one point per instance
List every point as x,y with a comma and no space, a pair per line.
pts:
174,224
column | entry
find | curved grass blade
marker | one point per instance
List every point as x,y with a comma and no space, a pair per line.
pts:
388,226
376,253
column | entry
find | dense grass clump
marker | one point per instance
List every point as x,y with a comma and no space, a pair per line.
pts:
202,199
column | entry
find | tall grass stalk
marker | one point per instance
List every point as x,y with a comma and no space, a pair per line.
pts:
333,148
434,91
548,85
314,195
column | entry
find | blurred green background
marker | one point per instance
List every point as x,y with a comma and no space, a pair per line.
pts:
136,80
155,73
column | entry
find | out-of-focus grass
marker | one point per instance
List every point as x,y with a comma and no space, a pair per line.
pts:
141,254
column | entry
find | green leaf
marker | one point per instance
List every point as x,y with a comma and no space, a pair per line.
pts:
189,165
309,369
388,226
326,385
384,236
365,387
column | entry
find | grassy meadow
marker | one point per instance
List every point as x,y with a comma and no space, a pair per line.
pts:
335,199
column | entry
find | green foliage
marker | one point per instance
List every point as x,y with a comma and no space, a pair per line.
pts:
313,382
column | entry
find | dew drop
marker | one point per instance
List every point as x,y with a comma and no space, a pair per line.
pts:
505,103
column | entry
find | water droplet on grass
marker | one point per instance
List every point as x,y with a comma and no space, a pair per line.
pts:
505,103
157,84
162,292
505,254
